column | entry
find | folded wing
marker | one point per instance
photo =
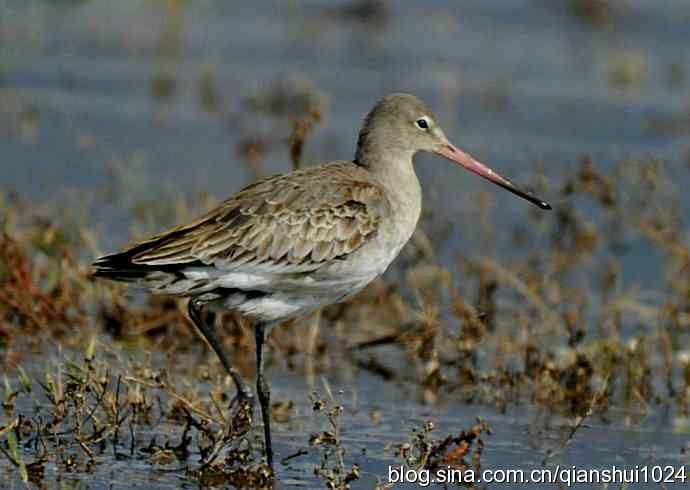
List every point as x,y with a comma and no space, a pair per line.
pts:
281,225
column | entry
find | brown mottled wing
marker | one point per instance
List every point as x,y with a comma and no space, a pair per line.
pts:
291,223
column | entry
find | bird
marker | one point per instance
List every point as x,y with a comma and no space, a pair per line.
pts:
293,243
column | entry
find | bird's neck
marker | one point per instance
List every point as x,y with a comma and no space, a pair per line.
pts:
389,165
394,170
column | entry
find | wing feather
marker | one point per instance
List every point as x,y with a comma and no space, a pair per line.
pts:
298,221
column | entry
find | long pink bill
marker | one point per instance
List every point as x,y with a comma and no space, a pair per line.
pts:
452,153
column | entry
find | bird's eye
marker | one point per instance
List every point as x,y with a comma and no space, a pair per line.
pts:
422,123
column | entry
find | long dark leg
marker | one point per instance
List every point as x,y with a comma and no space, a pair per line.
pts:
264,392
208,330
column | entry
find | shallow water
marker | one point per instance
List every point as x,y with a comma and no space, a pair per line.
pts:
97,92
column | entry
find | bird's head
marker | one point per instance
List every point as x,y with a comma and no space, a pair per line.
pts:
402,122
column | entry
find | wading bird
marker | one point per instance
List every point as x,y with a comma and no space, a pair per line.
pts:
290,244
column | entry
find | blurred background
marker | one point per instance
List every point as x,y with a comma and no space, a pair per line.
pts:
123,117
183,93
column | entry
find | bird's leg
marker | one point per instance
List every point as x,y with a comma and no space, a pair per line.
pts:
208,330
264,391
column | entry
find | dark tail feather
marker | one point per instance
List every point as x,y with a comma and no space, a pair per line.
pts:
119,275
119,267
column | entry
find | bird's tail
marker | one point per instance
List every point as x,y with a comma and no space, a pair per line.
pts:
167,279
119,267
158,277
